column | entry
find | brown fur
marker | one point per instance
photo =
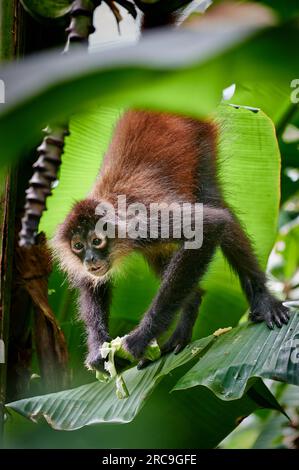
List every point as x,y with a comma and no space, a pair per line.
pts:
146,163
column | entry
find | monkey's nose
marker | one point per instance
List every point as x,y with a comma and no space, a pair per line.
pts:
90,259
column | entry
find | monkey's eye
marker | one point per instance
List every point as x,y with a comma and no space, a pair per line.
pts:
78,246
98,242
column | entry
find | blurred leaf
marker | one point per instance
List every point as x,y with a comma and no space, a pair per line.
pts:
179,71
271,97
285,8
289,148
242,355
275,428
271,435
287,248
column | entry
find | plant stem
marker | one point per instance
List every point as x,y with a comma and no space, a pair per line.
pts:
7,208
7,23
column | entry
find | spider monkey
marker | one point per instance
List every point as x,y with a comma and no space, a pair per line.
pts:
157,157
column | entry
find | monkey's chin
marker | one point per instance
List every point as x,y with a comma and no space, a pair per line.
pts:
99,272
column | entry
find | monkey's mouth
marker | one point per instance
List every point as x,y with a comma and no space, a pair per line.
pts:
98,270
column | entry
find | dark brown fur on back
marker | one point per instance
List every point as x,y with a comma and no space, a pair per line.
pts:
156,157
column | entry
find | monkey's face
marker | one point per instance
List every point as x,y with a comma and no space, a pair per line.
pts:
78,243
92,250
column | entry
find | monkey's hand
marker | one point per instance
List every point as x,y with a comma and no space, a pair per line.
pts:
136,343
141,348
267,308
94,360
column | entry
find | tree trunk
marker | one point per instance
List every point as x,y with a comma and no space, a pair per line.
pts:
7,206
19,35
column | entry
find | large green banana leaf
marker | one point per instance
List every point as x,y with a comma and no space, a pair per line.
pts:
97,402
200,420
247,352
276,431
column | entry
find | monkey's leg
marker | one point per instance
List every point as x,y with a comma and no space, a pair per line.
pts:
94,308
183,332
238,250
181,277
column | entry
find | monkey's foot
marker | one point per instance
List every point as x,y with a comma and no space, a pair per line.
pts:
177,342
270,310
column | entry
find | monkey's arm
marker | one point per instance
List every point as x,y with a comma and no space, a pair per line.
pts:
186,268
94,308
180,278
